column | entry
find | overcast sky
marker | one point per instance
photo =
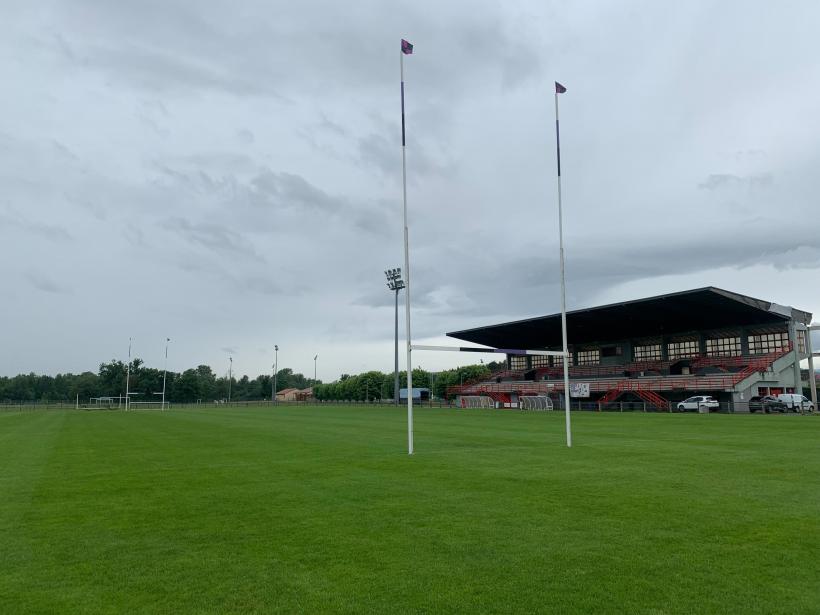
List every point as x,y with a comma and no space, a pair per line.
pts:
228,174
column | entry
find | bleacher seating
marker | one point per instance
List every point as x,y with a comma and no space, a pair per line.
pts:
643,378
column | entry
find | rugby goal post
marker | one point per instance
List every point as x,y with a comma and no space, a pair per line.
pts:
509,351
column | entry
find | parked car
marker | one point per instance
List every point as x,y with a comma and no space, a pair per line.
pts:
796,402
694,403
767,403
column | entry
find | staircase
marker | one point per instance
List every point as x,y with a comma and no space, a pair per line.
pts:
612,394
651,397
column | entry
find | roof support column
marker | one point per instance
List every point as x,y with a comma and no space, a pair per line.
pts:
798,384
812,378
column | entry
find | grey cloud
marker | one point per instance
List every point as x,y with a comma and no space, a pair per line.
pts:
95,208
48,231
63,46
330,126
751,154
294,190
724,180
260,284
250,160
154,126
63,150
212,237
267,201
245,136
134,236
373,220
377,151
173,47
162,72
531,278
222,162
44,283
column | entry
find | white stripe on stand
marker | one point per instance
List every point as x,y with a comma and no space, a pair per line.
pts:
543,353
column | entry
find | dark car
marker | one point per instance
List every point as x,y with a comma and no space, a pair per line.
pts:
767,403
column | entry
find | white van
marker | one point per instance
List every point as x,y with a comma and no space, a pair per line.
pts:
796,402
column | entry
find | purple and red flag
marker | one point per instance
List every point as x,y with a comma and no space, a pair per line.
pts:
406,47
559,89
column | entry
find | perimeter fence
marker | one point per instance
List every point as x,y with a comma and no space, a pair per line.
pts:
727,407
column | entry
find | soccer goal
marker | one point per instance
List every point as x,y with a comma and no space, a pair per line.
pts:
535,402
477,401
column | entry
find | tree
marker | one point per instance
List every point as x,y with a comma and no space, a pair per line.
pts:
112,379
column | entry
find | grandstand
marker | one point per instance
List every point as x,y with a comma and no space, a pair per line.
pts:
657,350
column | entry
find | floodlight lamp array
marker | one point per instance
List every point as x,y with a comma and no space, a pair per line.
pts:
394,281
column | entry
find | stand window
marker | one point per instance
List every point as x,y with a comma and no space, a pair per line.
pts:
723,347
768,342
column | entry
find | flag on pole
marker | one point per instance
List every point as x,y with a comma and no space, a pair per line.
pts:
559,89
406,48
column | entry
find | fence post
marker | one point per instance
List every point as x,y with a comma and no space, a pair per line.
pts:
644,406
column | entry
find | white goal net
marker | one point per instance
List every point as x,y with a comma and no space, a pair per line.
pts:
535,402
477,401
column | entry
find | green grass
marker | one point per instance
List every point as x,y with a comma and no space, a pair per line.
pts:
319,509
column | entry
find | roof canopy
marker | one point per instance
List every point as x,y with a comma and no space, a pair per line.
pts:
691,310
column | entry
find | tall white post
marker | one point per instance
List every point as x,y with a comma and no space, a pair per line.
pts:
165,372
812,378
128,376
406,265
230,378
560,89
275,370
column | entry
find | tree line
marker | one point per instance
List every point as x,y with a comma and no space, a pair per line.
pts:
377,386
200,383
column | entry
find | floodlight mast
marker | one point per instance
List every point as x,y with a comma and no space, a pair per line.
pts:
395,284
314,369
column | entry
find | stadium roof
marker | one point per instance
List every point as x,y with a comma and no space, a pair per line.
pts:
692,310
